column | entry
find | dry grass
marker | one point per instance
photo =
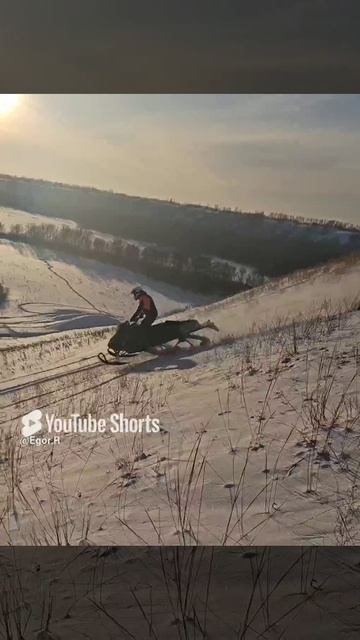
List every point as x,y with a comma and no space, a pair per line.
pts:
46,504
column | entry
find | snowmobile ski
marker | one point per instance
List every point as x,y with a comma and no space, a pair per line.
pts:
102,357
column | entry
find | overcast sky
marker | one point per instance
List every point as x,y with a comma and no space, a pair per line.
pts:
297,154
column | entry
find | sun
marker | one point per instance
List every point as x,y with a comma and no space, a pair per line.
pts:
8,103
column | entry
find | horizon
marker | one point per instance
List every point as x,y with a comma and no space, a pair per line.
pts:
292,154
220,208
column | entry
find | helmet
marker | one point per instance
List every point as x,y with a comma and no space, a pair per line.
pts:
137,291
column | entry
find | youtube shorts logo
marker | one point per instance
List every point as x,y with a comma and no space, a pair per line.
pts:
31,423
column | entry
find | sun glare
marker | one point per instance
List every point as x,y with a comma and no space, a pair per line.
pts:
8,102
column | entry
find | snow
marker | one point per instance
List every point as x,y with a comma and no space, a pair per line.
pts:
10,217
242,413
51,292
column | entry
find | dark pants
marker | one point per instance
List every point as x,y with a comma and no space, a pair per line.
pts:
149,319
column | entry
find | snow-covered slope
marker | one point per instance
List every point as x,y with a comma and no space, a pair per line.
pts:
51,292
260,432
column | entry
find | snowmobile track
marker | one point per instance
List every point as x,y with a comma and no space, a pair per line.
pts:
58,400
52,378
39,372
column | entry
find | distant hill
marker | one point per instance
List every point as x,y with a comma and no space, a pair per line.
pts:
274,244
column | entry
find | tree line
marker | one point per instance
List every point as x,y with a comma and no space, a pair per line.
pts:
273,245
198,273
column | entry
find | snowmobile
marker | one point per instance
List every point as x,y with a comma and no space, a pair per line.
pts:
131,339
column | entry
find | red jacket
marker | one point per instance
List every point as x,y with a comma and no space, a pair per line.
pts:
146,307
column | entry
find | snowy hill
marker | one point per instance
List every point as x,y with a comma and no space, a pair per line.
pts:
54,291
259,432
272,244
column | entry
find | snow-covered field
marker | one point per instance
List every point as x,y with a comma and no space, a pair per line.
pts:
10,217
51,292
259,440
113,593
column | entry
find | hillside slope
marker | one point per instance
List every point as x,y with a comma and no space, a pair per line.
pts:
272,244
259,440
50,291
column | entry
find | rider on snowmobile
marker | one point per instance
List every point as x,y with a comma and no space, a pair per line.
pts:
146,311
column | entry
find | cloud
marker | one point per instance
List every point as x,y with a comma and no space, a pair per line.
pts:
292,153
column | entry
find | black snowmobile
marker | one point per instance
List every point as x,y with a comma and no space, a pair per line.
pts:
131,339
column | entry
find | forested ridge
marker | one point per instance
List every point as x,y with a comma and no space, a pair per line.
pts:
183,236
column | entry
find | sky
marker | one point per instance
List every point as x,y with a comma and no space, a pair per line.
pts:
298,154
